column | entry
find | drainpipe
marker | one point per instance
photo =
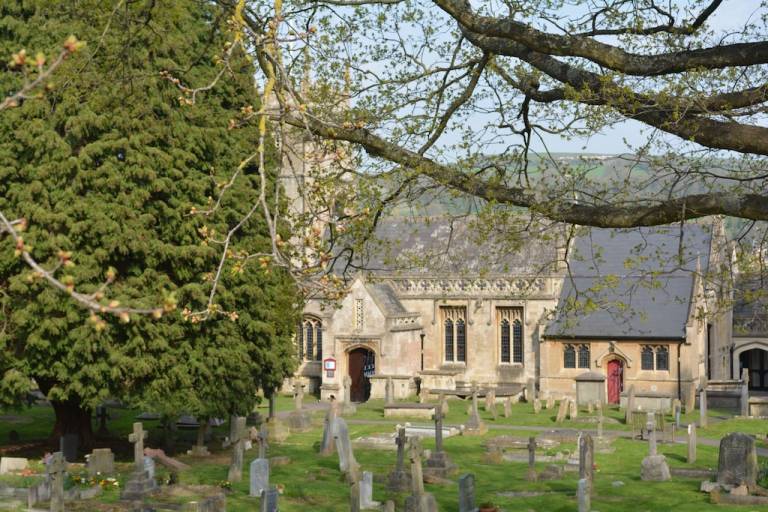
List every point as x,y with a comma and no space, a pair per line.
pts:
731,361
679,381
422,351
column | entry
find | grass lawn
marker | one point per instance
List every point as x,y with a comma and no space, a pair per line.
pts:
313,483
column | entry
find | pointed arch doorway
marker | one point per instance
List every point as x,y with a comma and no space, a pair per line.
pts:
362,365
615,380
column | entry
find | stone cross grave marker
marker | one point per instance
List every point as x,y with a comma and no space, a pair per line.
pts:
474,423
438,462
259,477
703,420
650,426
389,391
737,460
57,467
137,437
235,473
691,443
467,493
298,396
269,500
531,477
584,496
399,479
587,458
417,476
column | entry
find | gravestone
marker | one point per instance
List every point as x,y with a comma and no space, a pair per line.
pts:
327,445
299,420
354,497
139,484
149,467
630,405
418,501
199,449
677,407
400,479
737,461
690,397
423,395
590,407
584,495
389,506
347,407
744,401
438,462
347,463
68,446
587,459
263,440
443,403
508,407
561,412
536,406
12,464
366,493
550,402
101,461
467,493
389,392
475,426
490,400
530,390
650,427
654,468
259,477
573,409
691,443
241,435
531,477
56,469
600,421
269,500
703,420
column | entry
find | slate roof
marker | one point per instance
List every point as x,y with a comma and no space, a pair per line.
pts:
750,312
630,283
444,246
386,299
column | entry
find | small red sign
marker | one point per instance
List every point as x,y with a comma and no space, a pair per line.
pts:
329,364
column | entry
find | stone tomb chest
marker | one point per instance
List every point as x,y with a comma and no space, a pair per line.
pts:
590,387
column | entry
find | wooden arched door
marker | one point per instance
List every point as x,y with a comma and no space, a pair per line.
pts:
615,380
362,363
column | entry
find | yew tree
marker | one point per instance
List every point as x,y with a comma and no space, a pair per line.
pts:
116,175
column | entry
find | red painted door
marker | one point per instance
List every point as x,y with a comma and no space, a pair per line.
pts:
360,388
615,380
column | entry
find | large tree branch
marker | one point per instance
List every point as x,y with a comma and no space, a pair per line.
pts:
606,55
668,28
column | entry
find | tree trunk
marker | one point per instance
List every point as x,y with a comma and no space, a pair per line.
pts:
72,418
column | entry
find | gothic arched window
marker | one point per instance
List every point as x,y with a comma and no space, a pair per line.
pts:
510,334
309,340
454,334
646,358
448,339
517,342
505,342
662,358
583,356
569,356
461,341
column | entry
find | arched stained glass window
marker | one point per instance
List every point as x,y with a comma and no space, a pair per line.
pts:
319,356
662,358
310,339
517,342
461,341
448,339
646,358
505,342
583,356
569,357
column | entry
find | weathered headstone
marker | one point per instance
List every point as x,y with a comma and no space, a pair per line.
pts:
366,493
389,392
561,412
474,425
654,467
573,409
737,461
327,445
101,461
467,493
298,396
536,406
744,401
354,497
400,479
550,402
490,400
531,477
269,500
630,405
149,467
691,443
347,463
389,506
689,402
12,464
703,420
241,435
263,440
423,395
347,407
259,477
677,407
199,449
68,444
508,407
530,390
584,495
57,468
587,459
418,501
650,427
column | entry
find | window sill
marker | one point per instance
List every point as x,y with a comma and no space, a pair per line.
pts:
448,365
